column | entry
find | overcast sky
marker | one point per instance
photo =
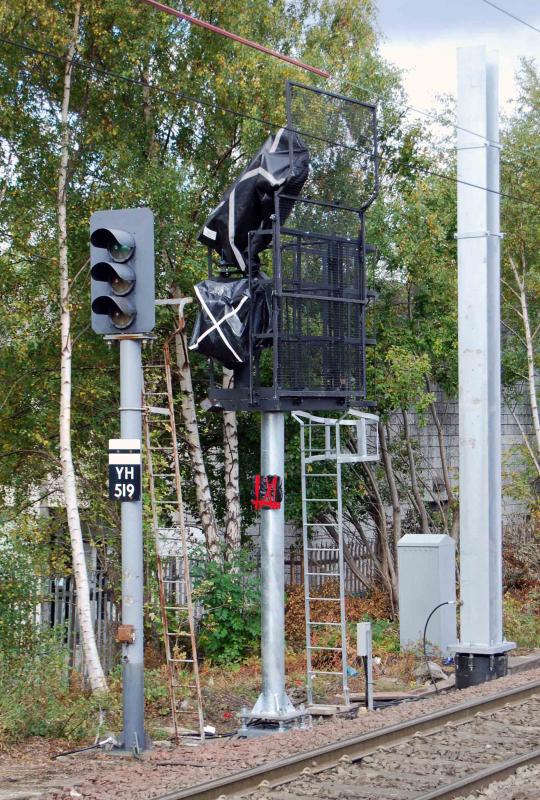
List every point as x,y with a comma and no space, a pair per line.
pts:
421,37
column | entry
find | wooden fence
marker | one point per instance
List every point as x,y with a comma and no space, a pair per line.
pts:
324,560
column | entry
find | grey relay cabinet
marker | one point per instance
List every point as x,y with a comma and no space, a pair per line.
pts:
427,569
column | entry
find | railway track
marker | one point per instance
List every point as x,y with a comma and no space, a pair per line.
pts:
445,754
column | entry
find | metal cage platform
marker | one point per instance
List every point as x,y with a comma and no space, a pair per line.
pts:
312,355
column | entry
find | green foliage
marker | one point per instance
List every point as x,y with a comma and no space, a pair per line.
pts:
520,170
384,634
36,698
229,594
17,598
26,558
156,692
522,619
520,269
138,139
414,319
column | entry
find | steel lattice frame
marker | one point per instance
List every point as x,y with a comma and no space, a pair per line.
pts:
317,284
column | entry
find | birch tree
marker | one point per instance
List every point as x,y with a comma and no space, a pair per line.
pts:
520,302
519,290
95,671
191,434
231,472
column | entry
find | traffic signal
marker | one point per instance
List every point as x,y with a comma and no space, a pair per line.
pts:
122,269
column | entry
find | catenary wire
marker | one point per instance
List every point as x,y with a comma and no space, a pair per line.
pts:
78,62
509,14
168,10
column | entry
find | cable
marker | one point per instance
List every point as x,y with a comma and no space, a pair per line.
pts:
509,14
78,750
235,37
268,123
322,73
197,101
79,62
446,603
109,741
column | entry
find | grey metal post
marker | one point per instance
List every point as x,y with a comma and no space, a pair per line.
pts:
133,737
481,637
341,568
273,703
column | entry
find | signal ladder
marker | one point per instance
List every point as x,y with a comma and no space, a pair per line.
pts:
169,529
326,445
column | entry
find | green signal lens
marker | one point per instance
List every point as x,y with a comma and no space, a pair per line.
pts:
120,252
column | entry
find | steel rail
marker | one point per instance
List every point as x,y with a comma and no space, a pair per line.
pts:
356,747
482,778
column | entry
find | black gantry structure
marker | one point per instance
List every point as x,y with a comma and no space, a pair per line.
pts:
284,306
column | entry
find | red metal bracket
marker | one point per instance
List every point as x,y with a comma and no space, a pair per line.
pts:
267,492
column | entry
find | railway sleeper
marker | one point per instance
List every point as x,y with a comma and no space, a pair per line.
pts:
450,766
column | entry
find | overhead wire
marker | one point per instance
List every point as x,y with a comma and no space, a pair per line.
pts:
182,15
79,62
509,14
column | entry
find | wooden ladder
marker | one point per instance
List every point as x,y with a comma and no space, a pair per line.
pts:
171,541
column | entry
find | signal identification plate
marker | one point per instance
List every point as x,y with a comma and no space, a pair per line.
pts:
124,469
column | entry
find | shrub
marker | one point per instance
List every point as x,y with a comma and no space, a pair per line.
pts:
38,698
522,565
374,606
522,619
229,594
19,595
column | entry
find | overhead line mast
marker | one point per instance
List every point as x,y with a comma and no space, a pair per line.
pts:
240,39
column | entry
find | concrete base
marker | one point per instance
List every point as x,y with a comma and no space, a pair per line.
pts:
256,731
120,750
522,663
329,710
273,709
473,668
298,718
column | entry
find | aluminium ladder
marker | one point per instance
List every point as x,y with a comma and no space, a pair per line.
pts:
169,529
326,445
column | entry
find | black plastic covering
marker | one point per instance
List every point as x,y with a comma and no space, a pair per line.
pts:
282,164
222,327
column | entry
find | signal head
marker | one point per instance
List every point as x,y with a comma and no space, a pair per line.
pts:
122,270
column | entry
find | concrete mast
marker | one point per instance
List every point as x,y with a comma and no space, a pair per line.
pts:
481,653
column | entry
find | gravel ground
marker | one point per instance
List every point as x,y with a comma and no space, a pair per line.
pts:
524,785
422,763
101,777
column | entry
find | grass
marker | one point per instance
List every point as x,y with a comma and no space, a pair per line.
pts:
38,696
522,618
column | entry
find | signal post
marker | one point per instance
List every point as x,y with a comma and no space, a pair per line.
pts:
123,310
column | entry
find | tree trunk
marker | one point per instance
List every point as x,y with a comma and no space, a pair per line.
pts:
328,518
388,569
531,371
191,428
93,664
418,500
232,474
453,502
392,486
